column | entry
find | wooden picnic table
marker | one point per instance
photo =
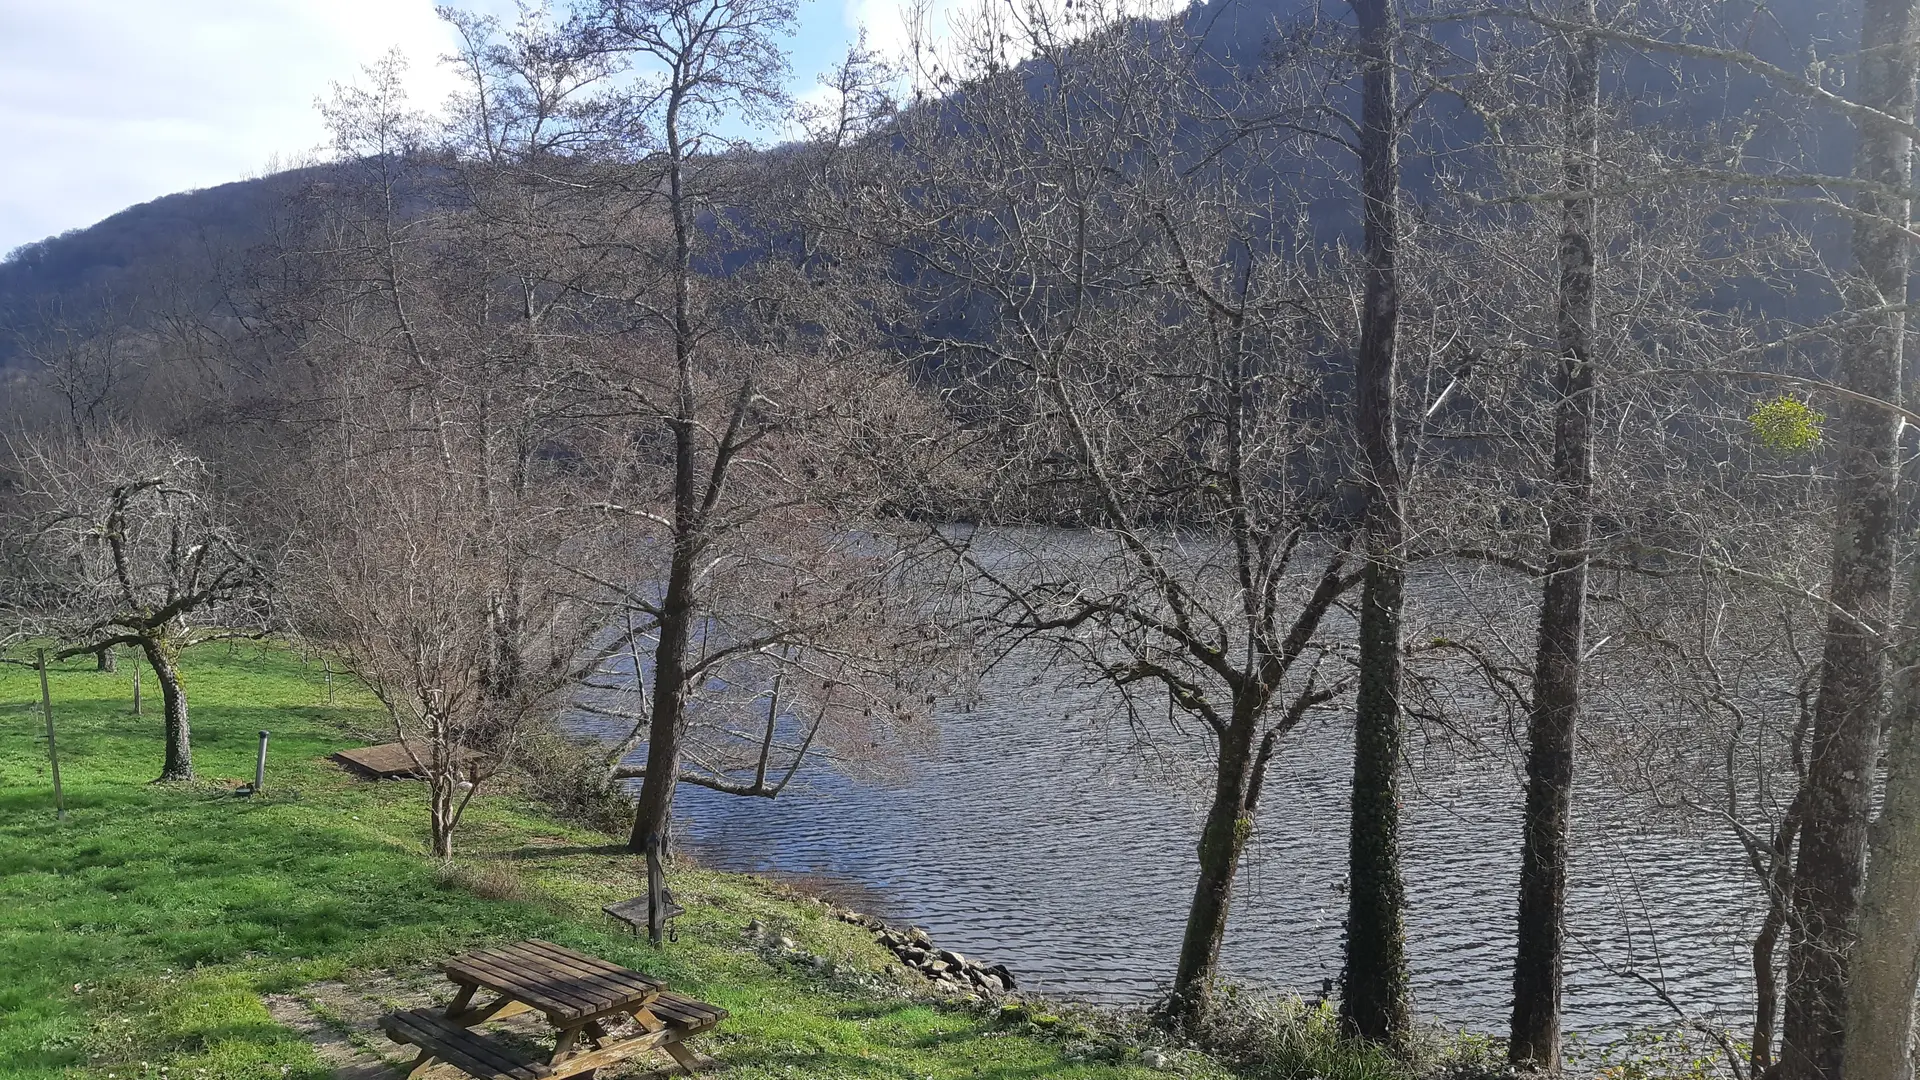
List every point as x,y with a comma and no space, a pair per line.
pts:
579,995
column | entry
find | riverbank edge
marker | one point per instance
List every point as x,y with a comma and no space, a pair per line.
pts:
144,932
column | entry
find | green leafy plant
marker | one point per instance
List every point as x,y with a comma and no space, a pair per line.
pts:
1786,425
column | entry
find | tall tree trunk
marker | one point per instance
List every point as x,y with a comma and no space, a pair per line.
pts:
1766,983
440,808
1374,984
1224,836
1839,783
654,814
678,609
179,762
1539,960
107,660
1885,969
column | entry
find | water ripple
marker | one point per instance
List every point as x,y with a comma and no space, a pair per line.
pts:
1026,839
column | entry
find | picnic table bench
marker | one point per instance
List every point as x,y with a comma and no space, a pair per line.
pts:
578,994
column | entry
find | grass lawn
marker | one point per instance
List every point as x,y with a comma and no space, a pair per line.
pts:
138,936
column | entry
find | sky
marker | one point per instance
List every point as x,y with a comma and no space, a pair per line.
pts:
108,103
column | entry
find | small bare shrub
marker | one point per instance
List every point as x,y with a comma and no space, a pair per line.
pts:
488,881
572,782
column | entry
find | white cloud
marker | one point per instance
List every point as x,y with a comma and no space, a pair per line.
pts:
889,23
892,25
106,103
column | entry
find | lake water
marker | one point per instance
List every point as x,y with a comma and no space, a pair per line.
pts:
1025,838
1032,835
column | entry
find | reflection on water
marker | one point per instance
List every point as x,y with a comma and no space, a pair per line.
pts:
1026,840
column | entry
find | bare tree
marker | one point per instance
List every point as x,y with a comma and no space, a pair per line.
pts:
1374,995
1113,303
1830,821
1884,972
87,363
1698,160
404,571
816,642
439,441
505,304
720,56
765,392
127,544
1845,736
1534,1038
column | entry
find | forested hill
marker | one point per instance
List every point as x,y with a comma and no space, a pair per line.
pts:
179,246
176,246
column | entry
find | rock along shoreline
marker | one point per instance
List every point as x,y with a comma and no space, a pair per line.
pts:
942,966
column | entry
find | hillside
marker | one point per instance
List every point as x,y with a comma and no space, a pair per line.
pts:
177,245
180,245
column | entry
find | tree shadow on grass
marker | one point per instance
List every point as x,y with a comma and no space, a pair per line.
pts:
47,1060
541,851
263,1031
841,1063
857,1011
22,804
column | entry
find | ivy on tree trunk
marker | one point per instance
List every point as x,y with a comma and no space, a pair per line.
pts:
179,733
1836,799
1374,1001
1539,960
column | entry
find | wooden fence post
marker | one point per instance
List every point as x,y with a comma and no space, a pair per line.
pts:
136,683
53,753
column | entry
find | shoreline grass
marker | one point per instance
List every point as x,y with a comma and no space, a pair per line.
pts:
139,936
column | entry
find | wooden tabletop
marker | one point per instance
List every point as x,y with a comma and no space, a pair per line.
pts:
564,984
